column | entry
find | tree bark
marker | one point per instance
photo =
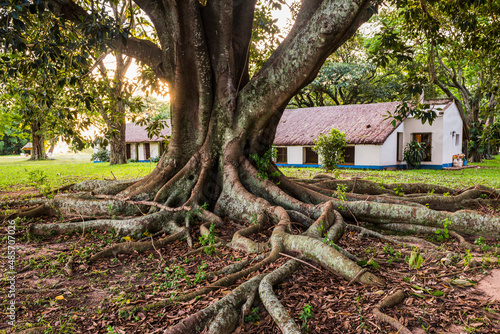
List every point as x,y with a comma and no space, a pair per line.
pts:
38,142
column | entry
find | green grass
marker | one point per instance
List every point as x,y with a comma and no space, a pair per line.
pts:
488,174
15,171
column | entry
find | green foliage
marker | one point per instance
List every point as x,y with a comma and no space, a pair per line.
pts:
415,260
253,316
201,274
341,192
467,257
443,234
101,155
208,240
305,315
399,190
262,164
331,147
480,242
414,154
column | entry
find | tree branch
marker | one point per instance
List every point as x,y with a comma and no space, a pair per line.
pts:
298,63
144,51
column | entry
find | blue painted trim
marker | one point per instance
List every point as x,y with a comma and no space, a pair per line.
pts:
143,161
402,166
372,166
299,165
97,161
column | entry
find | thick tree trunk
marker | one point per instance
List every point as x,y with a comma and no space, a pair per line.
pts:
38,142
118,147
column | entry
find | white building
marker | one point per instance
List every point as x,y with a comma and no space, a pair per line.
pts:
140,147
372,141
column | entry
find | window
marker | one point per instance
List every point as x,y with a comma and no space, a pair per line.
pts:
427,139
281,157
129,152
147,152
457,140
349,155
310,157
399,148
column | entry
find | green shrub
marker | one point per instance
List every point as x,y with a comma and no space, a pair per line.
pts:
414,154
101,155
331,147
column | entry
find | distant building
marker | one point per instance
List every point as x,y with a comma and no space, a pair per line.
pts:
142,148
139,146
372,141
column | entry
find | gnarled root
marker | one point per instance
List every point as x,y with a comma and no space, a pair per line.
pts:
271,302
133,226
387,302
215,315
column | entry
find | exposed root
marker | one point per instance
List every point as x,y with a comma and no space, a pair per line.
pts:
133,226
394,239
225,281
131,247
464,221
372,188
387,302
23,203
147,203
241,241
277,311
214,314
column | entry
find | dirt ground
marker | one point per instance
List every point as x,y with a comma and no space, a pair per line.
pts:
455,294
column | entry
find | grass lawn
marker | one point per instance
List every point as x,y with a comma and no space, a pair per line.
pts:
18,173
487,174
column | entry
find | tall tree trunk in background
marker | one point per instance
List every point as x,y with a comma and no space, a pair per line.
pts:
38,150
118,147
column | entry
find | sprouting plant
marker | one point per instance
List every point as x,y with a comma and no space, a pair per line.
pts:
201,274
253,316
341,192
483,196
194,212
399,190
415,260
480,242
444,234
305,315
446,194
467,257
431,192
262,164
39,180
208,239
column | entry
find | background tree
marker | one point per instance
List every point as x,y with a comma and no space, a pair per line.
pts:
453,41
350,77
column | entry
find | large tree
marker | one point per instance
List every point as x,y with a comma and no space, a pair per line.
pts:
217,165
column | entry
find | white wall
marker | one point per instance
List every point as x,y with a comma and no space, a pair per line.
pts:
452,122
389,149
294,155
367,155
415,126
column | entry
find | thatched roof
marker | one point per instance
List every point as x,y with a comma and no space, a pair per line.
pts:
27,147
361,123
137,134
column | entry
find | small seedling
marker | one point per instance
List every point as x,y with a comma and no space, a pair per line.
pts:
305,315
253,316
415,260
